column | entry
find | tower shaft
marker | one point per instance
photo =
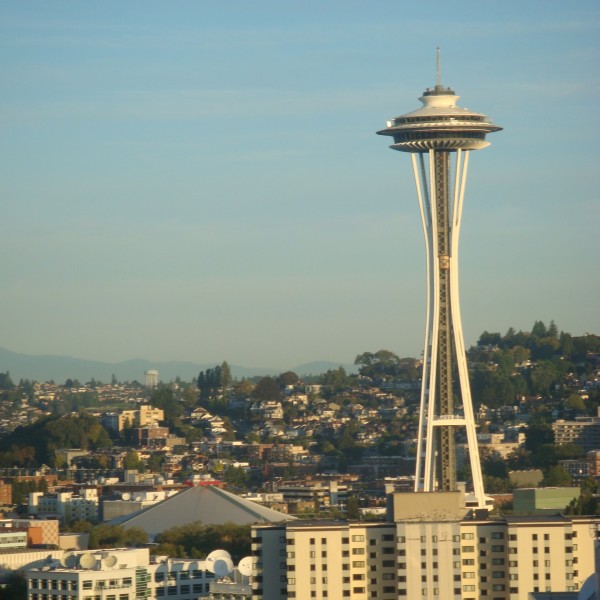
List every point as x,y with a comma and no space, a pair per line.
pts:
445,398
439,137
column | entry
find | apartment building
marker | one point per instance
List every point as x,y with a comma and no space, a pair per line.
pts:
66,506
583,431
324,559
430,547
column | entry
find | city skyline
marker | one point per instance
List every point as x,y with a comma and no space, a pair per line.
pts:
202,184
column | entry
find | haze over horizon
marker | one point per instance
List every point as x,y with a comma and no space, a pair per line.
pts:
192,183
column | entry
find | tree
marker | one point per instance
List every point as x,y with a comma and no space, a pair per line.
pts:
6,382
381,365
132,461
196,540
552,331
335,379
235,476
163,396
537,434
225,375
539,329
267,389
15,588
489,339
353,508
287,378
576,402
556,476
543,376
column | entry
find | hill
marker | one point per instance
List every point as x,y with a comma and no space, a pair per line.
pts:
59,368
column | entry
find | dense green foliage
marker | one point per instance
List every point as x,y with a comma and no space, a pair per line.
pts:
531,364
22,489
36,444
197,540
267,389
589,501
15,588
109,536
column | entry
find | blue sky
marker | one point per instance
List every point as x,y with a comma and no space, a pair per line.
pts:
201,180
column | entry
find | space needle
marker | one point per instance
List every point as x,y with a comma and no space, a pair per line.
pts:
439,136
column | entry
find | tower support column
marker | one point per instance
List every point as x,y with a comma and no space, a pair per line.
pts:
439,137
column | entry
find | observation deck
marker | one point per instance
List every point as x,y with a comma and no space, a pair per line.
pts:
439,125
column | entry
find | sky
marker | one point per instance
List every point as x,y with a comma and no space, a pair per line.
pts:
201,181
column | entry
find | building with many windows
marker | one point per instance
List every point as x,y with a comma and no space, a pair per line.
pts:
118,574
583,432
430,547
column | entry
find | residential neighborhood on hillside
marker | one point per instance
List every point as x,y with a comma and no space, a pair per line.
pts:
83,460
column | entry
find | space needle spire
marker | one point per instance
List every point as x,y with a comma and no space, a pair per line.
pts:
439,137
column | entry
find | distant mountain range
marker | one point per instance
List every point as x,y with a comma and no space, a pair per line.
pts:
59,368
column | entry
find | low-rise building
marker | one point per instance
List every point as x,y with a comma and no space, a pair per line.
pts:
119,574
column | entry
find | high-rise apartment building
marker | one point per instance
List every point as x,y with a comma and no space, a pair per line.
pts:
431,547
151,378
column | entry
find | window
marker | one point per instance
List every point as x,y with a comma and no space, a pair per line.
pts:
467,536
497,535
358,577
499,548
358,563
358,550
469,575
468,588
497,561
358,538
468,548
